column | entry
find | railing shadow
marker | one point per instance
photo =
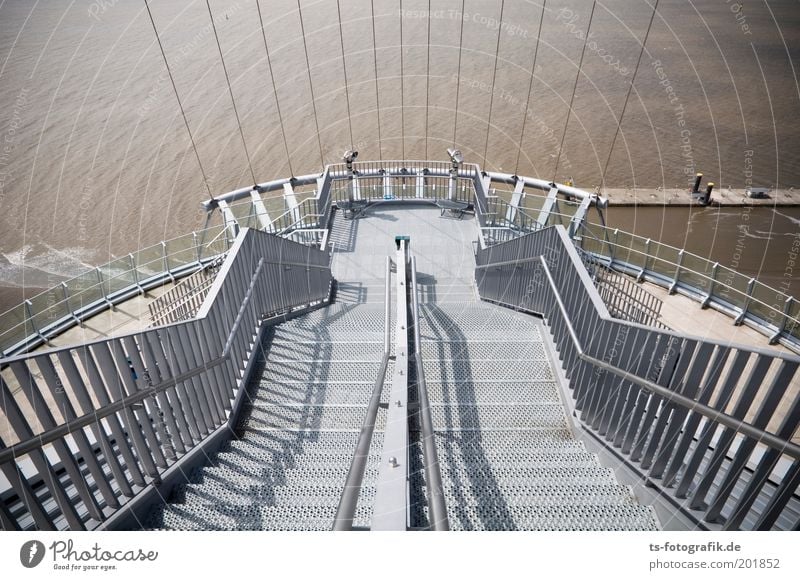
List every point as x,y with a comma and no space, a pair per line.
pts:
479,480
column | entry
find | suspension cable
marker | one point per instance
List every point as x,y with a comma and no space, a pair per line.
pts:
230,90
310,83
494,78
530,88
375,63
275,90
402,91
574,88
344,67
625,104
428,79
458,78
177,97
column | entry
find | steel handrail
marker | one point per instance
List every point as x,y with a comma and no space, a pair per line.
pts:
348,502
715,415
433,474
72,425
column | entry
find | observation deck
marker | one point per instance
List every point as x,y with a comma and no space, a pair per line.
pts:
405,346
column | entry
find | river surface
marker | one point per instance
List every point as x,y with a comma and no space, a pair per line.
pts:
95,160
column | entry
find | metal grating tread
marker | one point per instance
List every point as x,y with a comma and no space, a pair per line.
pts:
491,392
460,349
303,417
487,370
321,371
283,350
319,393
553,518
487,417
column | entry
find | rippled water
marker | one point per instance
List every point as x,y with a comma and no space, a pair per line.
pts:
95,159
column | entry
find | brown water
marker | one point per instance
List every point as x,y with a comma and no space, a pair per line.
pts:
759,242
95,160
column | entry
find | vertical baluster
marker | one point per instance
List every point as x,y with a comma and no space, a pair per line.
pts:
180,402
705,392
133,426
86,407
41,409
23,432
689,387
62,402
765,467
780,498
674,380
182,346
766,410
709,429
19,483
103,400
144,382
647,366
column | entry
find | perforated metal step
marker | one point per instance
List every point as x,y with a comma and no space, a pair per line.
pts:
489,392
508,459
298,430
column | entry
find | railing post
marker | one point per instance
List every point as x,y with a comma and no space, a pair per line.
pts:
103,288
196,248
748,295
640,277
613,249
677,273
165,261
65,290
714,268
29,312
136,282
787,306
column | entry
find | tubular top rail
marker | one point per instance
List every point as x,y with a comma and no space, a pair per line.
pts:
707,411
433,474
345,512
749,348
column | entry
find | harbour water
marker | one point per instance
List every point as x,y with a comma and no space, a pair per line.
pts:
95,160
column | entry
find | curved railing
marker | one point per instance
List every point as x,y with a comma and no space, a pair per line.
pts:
57,309
304,217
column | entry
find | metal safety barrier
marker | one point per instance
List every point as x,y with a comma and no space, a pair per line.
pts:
712,425
91,428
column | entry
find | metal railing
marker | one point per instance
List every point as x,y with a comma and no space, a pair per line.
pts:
748,301
182,301
623,297
91,427
375,190
712,425
401,167
57,309
437,513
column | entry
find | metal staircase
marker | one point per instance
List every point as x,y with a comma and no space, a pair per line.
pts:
297,431
507,456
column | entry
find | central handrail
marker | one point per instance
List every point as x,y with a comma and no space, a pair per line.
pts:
433,474
345,512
